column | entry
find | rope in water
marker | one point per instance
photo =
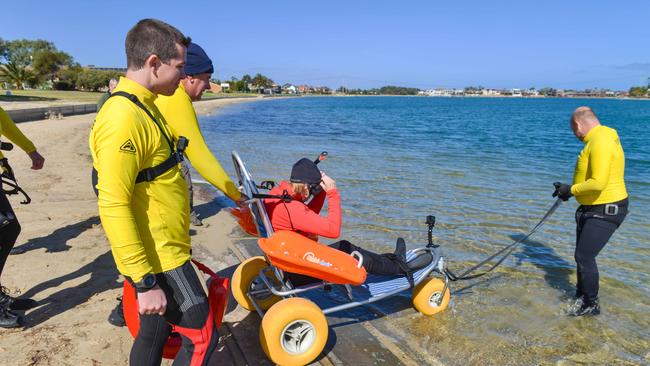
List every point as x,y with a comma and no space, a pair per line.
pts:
466,275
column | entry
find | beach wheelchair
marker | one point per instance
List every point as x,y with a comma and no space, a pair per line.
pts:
294,329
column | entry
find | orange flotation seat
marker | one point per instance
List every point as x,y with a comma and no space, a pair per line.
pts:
245,220
217,298
292,252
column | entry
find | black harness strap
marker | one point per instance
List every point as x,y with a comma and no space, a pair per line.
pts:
16,189
8,146
176,155
7,178
401,262
284,196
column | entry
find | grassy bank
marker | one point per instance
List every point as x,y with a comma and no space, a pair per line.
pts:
34,95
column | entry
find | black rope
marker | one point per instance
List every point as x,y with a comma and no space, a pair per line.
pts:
508,250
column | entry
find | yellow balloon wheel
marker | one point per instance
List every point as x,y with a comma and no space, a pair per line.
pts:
293,332
246,278
427,294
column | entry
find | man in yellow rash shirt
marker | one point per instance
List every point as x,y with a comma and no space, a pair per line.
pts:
143,201
181,116
9,226
599,187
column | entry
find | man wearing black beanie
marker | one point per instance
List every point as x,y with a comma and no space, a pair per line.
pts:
180,114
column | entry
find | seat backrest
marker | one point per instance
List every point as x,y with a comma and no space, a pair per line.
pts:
256,205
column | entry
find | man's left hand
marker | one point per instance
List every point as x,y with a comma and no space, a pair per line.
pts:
562,191
37,160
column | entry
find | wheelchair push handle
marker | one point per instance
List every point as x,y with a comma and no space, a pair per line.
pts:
321,157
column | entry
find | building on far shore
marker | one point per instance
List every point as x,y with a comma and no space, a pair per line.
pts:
110,68
490,92
532,92
289,89
440,92
215,88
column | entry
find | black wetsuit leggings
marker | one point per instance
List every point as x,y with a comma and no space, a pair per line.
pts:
9,231
187,307
373,263
593,230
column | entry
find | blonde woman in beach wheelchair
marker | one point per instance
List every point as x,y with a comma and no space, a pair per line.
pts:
294,329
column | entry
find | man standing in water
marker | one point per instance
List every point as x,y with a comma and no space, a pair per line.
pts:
143,201
599,187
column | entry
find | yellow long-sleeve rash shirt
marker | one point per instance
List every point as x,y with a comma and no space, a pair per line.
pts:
9,129
181,117
600,169
147,223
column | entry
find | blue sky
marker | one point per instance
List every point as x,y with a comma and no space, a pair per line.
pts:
424,44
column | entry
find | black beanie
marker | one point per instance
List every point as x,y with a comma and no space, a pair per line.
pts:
197,61
305,171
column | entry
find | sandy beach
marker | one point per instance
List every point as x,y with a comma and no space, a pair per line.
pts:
67,265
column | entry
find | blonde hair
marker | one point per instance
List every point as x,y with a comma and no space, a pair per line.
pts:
301,188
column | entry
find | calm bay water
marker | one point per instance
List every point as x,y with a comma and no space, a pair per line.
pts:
485,168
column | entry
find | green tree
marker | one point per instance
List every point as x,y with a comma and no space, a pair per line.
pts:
39,59
550,92
47,63
17,75
398,90
95,80
261,81
22,51
3,47
246,79
68,77
234,84
638,92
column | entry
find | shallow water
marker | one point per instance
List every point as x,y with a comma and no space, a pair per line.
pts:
485,168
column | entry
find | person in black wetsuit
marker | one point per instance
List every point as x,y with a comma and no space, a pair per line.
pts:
9,225
599,187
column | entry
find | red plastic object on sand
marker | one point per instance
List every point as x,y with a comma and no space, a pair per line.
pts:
217,298
245,219
292,252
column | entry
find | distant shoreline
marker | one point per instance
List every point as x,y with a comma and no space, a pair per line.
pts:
467,96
